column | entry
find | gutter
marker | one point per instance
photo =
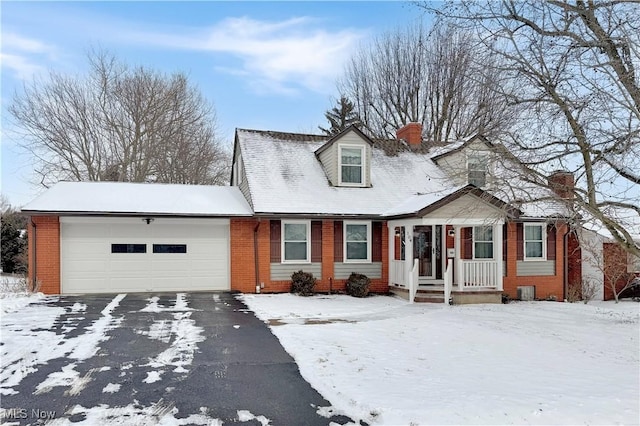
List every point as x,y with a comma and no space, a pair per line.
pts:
565,278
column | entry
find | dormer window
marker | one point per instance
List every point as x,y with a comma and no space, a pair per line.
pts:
351,167
477,169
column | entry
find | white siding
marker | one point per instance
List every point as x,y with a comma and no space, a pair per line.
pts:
371,270
591,251
537,268
330,161
241,175
455,164
283,271
467,207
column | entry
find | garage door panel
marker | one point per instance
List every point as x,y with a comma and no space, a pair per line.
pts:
82,247
87,264
89,285
130,284
85,267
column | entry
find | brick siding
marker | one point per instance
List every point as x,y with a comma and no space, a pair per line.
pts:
47,252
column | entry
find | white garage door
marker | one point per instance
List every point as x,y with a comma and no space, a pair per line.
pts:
102,255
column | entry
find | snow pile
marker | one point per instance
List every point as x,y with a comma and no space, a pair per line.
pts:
522,363
14,294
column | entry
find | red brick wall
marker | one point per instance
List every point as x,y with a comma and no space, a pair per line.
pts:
243,259
327,256
615,269
546,286
574,263
47,252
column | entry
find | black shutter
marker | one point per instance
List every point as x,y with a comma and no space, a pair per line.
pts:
316,241
275,241
337,241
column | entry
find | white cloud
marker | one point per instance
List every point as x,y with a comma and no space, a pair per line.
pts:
274,56
24,56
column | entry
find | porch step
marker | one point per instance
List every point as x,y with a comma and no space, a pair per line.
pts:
423,295
429,298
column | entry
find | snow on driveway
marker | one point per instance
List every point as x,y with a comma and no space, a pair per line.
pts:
387,362
28,340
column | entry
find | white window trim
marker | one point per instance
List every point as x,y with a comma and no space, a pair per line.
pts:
544,242
344,241
493,243
487,159
294,222
363,150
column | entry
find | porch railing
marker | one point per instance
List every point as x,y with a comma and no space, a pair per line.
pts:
479,274
398,272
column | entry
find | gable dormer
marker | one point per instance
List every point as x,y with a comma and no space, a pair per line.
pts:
346,159
470,162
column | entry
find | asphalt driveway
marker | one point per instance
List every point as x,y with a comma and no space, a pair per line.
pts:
196,358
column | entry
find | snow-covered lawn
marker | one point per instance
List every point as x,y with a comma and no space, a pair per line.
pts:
387,362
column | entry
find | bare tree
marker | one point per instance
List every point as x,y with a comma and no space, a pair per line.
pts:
434,78
575,67
120,123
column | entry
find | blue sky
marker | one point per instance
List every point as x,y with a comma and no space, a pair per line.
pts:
265,65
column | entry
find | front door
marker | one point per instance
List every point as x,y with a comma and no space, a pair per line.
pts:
427,248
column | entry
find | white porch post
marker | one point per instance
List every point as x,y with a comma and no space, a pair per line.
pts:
497,254
458,260
408,259
392,250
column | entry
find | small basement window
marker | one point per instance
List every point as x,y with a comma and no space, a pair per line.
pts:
169,248
128,248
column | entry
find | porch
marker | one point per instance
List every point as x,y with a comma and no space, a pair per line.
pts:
446,263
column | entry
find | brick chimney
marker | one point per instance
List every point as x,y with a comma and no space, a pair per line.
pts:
411,133
562,183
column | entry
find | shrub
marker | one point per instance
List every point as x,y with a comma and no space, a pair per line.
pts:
302,283
358,285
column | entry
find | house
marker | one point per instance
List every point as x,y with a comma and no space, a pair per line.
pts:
425,222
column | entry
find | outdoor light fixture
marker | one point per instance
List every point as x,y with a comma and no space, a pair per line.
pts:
148,220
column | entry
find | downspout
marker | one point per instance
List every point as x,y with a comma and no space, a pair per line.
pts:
255,254
565,247
34,276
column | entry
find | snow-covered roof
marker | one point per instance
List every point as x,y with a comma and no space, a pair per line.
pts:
140,199
285,177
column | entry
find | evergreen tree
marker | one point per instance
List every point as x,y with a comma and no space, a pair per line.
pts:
13,242
340,117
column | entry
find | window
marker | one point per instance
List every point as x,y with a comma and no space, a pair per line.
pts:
295,241
128,248
357,237
482,242
169,248
352,165
534,242
477,169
